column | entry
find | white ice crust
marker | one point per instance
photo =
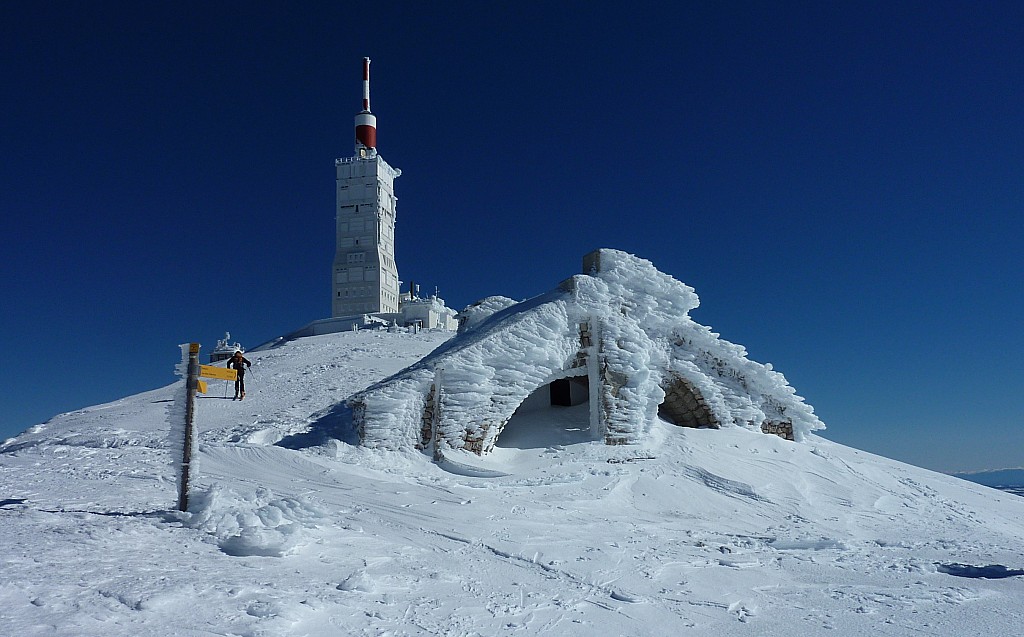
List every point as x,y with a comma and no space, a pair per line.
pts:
646,336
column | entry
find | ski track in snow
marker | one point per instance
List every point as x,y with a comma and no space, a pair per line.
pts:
694,532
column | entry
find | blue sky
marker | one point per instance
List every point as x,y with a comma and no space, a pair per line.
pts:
840,182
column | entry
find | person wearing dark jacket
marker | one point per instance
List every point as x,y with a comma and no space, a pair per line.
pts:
239,363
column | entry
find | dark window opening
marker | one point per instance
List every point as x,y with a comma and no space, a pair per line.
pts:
569,392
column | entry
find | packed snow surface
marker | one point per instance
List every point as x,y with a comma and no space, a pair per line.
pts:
293,530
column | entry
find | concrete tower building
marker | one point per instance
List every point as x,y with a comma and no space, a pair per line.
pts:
365,277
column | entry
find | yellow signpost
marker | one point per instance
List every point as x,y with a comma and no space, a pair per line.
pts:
219,373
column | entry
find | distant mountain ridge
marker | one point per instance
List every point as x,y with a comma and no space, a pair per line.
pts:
1002,478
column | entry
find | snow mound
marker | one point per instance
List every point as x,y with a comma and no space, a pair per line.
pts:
622,329
256,522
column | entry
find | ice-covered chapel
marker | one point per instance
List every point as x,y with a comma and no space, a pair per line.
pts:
617,338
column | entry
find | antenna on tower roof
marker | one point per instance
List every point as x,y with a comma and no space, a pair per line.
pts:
366,122
366,84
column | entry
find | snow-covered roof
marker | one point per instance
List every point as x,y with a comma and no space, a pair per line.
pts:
623,325
225,348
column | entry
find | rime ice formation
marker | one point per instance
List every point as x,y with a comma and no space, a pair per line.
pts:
618,337
476,313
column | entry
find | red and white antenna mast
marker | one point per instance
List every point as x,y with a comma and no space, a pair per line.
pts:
366,122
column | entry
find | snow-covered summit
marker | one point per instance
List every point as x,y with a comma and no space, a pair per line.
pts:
297,530
618,336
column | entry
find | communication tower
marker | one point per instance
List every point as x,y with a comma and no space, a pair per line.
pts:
365,277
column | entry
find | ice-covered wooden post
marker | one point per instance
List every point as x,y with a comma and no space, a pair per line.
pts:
191,382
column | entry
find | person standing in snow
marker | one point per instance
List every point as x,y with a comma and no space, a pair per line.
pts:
239,363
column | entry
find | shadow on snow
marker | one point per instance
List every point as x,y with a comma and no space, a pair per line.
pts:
334,423
992,571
